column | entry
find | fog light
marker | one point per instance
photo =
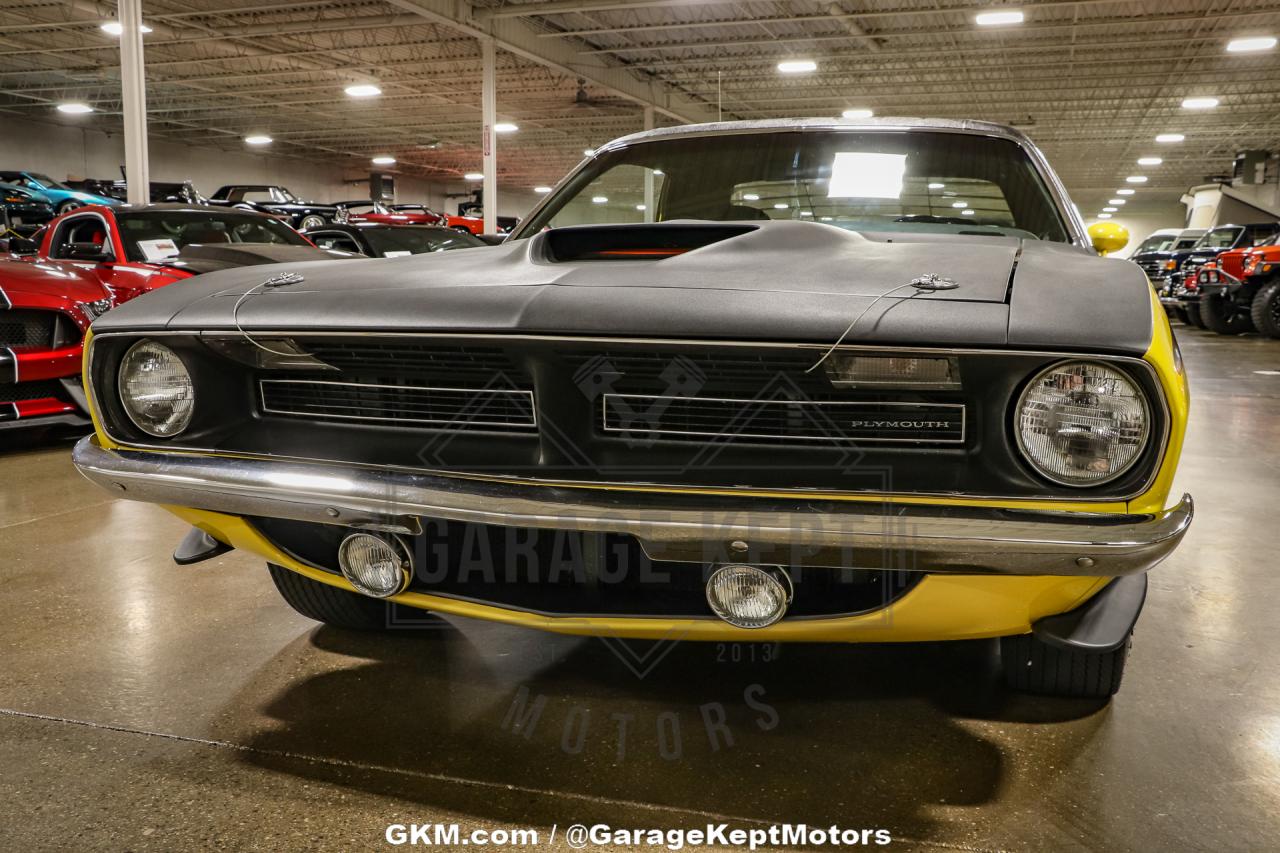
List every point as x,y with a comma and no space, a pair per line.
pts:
376,566
748,596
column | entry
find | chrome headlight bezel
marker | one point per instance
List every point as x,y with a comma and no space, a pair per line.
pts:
169,427
1140,393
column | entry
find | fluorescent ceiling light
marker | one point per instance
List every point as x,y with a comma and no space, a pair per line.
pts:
1115,201
966,212
782,205
587,152
259,139
473,176
658,172
1199,103
1125,192
797,66
640,207
75,108
542,190
1137,179
599,199
995,19
363,90
936,186
1150,161
505,127
115,28
1170,137
959,204
806,213
384,161
863,174
1110,209
1104,215
857,113
750,197
1246,45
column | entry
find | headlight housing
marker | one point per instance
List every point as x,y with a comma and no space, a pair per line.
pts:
1082,423
155,389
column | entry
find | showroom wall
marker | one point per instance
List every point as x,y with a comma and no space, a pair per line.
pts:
61,152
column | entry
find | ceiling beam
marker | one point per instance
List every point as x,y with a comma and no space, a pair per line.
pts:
518,37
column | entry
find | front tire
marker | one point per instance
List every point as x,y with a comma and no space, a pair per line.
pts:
1192,310
1220,315
311,221
328,604
1265,310
1033,666
68,206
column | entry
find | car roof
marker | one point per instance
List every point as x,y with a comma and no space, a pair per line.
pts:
183,207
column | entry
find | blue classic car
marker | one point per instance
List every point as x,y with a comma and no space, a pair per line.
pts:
61,196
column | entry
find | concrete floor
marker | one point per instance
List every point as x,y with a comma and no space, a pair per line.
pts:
149,707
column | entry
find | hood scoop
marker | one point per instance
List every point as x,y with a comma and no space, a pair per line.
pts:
633,242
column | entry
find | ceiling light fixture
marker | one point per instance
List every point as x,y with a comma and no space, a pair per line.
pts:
1110,209
1125,192
966,212
995,19
599,199
1116,201
1150,161
1104,215
1136,179
542,190
1250,44
959,204
384,160
936,186
797,66
1170,137
258,139
363,90
75,108
1199,103
857,113
782,205
505,127
115,28
473,176
640,207
587,152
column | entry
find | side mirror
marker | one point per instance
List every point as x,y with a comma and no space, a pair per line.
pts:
87,252
22,246
1108,237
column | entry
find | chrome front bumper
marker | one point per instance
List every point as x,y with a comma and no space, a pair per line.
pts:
670,525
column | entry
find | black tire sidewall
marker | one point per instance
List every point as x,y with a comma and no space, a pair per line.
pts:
1263,309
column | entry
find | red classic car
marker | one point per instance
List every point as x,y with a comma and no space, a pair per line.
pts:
376,211
133,250
1242,292
45,309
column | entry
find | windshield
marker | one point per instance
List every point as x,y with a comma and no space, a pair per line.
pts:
859,180
1218,238
47,182
1155,244
407,240
154,235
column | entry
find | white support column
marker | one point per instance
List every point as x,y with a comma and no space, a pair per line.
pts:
134,92
488,116
649,212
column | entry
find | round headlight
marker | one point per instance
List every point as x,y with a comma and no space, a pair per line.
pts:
1081,423
156,389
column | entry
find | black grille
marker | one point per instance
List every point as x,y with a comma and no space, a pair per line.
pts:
25,328
698,419
440,408
707,374
1151,268
467,366
40,390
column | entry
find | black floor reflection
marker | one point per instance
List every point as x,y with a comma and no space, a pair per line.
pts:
817,733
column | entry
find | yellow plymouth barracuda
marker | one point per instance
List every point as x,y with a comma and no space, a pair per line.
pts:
802,380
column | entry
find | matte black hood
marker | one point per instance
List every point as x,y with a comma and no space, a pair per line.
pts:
786,281
215,257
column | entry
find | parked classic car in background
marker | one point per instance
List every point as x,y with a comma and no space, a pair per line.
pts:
61,196
45,310
390,241
1240,291
132,250
22,211
789,392
1178,288
275,200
